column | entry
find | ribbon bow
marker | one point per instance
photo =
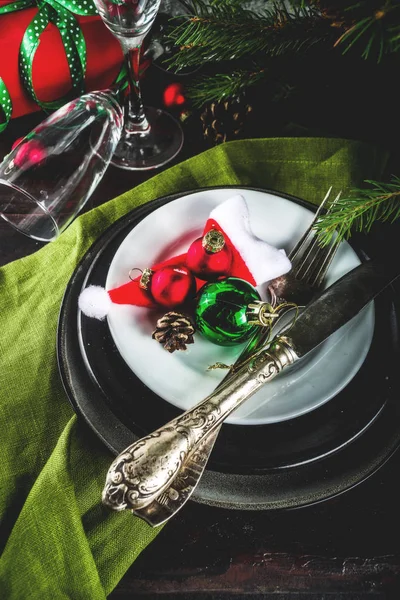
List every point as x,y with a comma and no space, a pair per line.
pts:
60,13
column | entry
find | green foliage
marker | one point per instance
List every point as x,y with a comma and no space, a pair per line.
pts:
371,27
229,35
358,212
223,85
206,35
374,29
237,44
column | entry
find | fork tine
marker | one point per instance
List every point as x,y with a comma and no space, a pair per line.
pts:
296,249
316,262
320,274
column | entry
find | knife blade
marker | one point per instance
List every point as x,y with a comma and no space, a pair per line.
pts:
335,306
140,475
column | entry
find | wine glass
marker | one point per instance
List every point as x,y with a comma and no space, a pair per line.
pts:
151,137
50,174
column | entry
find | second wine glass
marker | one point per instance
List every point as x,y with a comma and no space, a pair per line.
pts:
151,137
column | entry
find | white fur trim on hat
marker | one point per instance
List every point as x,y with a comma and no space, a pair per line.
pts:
265,262
95,302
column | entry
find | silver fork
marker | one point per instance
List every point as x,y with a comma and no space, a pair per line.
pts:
310,262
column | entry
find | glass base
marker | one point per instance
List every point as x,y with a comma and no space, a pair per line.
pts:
156,147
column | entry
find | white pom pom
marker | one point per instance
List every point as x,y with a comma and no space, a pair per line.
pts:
95,302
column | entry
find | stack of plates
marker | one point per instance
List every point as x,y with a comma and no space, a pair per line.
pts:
320,428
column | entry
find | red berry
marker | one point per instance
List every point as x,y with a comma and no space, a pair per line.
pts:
208,265
172,285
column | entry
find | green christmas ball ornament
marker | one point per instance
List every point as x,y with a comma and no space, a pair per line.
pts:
221,311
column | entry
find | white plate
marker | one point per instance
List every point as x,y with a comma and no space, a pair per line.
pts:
182,378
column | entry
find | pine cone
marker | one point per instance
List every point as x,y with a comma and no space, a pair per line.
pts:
174,330
224,121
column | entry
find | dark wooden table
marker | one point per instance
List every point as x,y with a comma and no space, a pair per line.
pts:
344,549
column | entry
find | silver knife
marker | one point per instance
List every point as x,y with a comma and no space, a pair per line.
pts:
140,475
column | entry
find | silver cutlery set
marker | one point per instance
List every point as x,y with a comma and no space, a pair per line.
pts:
156,475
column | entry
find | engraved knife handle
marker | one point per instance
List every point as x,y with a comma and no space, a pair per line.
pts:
148,466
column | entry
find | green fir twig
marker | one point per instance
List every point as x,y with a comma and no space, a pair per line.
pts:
222,86
360,210
208,33
230,38
377,31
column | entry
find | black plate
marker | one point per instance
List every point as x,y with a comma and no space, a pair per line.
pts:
289,464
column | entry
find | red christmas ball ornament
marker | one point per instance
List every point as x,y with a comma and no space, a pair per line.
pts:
172,285
209,257
29,153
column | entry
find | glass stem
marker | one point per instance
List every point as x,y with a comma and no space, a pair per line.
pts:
134,116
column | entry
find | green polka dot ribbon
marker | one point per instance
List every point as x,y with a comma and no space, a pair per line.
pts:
5,105
60,13
18,5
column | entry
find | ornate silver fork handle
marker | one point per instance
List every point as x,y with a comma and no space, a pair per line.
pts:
147,468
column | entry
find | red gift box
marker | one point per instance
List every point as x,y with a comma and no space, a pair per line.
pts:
50,71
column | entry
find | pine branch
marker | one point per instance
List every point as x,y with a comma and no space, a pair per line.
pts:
244,44
222,85
375,28
206,36
381,202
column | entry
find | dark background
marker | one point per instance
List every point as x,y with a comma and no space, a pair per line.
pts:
346,548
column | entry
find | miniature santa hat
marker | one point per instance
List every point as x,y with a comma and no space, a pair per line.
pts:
253,260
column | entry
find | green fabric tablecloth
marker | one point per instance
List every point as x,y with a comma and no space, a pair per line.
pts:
58,541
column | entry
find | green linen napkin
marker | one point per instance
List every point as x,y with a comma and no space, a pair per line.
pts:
58,541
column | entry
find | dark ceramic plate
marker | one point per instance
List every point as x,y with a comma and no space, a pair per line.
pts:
284,465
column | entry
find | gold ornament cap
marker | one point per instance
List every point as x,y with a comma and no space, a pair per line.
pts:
261,313
145,278
213,241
